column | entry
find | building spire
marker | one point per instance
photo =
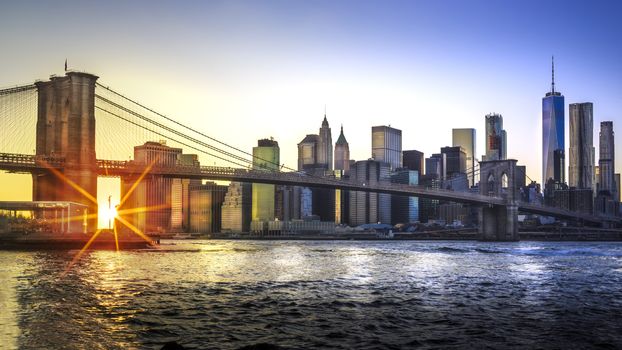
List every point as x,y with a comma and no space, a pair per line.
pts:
553,74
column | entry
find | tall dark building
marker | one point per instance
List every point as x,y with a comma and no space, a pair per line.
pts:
455,158
436,165
428,208
553,143
606,161
581,151
404,209
413,160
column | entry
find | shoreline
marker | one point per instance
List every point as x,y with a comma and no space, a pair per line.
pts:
46,242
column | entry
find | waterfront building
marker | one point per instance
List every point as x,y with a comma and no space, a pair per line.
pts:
581,152
413,160
180,195
342,153
404,209
236,208
496,137
466,139
206,203
607,187
428,208
265,157
368,207
452,213
571,198
386,145
153,193
553,142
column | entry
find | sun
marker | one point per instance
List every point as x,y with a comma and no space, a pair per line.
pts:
106,215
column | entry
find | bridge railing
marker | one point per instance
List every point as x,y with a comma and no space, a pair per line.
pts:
32,160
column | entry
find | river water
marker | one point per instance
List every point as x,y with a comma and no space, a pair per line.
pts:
315,295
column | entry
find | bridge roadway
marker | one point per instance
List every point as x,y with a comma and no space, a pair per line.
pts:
22,163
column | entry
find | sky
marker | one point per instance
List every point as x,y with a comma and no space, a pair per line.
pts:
245,70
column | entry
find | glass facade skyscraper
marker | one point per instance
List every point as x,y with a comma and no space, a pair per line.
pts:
265,157
466,139
553,142
386,145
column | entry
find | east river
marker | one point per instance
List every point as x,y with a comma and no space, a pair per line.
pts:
316,295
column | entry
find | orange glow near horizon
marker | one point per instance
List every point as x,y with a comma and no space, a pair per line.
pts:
108,212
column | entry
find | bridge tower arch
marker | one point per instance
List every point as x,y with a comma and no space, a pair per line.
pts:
499,222
66,130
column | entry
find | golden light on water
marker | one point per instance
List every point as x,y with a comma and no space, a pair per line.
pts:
107,213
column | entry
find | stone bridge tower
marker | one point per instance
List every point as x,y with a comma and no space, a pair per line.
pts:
499,223
66,129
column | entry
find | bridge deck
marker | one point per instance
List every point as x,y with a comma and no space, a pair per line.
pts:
22,163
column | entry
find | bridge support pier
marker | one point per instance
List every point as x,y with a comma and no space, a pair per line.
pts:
499,222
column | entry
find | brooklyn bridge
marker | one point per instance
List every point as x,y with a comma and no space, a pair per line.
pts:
52,130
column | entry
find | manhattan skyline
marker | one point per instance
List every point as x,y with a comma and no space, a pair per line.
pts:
420,67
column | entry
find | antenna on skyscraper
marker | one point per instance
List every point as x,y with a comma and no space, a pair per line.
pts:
553,74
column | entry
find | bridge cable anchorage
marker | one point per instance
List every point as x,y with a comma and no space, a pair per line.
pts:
162,135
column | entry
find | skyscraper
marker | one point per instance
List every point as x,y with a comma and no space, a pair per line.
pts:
413,160
315,157
342,153
325,146
265,157
581,151
607,194
236,208
437,165
606,161
386,145
553,143
368,207
154,192
315,151
466,139
496,137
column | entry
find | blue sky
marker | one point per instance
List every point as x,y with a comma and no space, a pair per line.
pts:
267,68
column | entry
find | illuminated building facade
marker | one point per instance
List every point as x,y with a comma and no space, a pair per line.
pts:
465,138
386,145
265,157
153,193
